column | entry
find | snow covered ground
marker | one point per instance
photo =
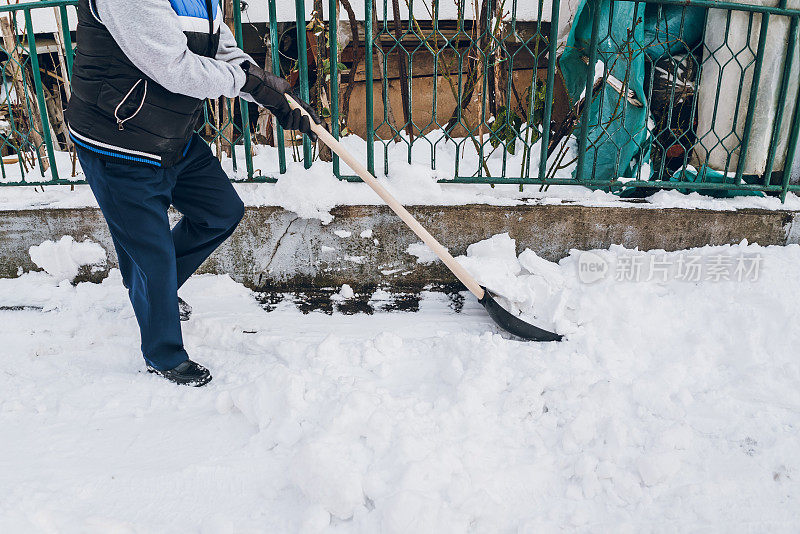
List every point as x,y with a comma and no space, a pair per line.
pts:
673,405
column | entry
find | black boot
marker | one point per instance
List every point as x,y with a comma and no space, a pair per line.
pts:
187,373
184,310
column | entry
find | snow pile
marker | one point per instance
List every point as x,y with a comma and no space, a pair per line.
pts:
345,293
528,286
672,405
64,258
423,253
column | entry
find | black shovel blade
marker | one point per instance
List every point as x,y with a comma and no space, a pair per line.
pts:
513,324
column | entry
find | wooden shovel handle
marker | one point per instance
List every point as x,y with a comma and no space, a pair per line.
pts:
392,202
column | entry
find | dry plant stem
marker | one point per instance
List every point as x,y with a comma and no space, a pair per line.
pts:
319,51
73,156
351,78
499,96
20,80
62,50
52,102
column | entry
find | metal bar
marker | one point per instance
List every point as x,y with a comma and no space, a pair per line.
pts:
59,181
751,102
276,69
551,80
602,130
437,53
484,89
369,85
232,141
302,67
729,6
333,27
617,185
243,106
794,138
656,145
782,95
37,82
384,29
460,91
698,77
508,59
409,80
584,133
527,149
514,181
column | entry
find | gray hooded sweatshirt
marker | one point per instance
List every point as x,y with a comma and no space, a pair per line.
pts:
150,34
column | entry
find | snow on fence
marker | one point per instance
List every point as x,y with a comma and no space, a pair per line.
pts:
620,95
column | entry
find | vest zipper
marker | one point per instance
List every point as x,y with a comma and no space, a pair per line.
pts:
121,122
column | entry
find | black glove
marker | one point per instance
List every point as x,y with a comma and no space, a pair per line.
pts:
269,91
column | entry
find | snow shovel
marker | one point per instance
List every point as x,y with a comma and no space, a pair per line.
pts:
501,316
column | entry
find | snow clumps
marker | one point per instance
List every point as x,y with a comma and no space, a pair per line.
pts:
528,286
345,293
63,259
423,253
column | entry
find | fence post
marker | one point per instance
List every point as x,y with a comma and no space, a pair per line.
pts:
368,85
37,82
783,94
243,106
584,133
226,109
276,70
302,67
333,28
548,97
794,139
751,102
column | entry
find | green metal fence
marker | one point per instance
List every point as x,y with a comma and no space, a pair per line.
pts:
695,95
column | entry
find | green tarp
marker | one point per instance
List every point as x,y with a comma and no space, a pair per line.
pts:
618,140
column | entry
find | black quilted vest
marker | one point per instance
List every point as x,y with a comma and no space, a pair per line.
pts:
118,112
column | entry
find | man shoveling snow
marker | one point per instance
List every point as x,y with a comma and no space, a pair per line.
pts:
141,74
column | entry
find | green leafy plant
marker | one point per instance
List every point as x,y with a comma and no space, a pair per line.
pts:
538,105
505,129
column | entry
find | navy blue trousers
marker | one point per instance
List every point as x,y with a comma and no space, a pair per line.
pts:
154,259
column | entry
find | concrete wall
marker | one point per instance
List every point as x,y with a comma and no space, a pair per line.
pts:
274,248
